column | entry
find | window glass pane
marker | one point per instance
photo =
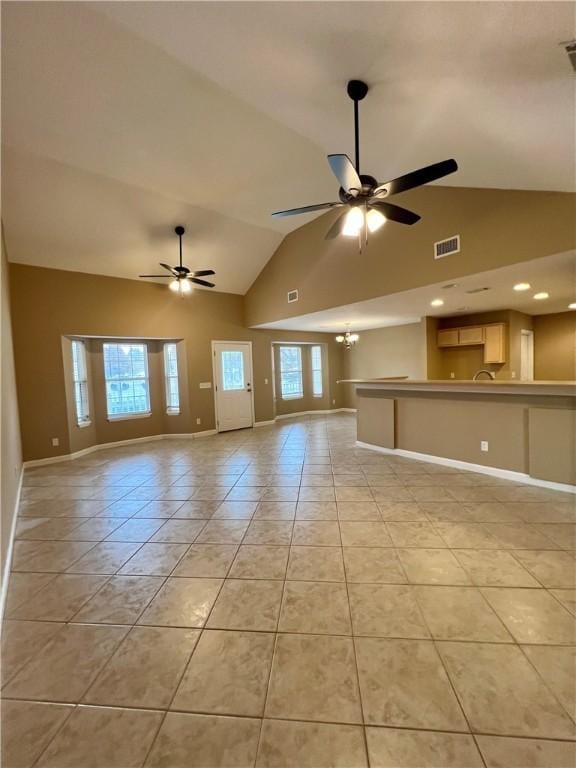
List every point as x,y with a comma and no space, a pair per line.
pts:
126,373
316,357
291,372
171,376
232,362
80,379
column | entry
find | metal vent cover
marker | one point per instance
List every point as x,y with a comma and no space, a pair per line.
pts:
445,247
292,296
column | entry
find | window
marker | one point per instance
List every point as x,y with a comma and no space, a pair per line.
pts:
232,362
80,377
291,373
316,357
126,374
171,377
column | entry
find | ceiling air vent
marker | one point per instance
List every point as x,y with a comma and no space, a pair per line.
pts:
292,296
445,247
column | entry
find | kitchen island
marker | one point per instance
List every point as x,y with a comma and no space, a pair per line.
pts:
520,430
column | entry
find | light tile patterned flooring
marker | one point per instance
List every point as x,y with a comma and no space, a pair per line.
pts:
279,597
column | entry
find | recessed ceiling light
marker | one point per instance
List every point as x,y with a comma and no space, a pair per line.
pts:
522,287
541,295
437,303
572,306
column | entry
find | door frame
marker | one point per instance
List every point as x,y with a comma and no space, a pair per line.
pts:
527,335
215,377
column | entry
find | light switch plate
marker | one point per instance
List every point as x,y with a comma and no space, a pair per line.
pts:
484,445
205,385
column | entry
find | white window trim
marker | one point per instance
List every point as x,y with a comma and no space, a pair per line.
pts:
321,369
171,410
300,395
128,416
86,421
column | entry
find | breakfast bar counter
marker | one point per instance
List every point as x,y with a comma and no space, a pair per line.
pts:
521,429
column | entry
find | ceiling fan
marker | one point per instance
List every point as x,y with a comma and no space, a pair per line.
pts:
181,275
363,197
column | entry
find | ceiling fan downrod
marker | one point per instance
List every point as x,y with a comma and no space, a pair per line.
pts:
357,90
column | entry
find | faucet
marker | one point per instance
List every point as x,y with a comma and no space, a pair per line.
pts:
480,372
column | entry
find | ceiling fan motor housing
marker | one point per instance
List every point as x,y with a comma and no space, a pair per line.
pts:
369,183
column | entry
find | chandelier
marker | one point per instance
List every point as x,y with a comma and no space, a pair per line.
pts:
348,339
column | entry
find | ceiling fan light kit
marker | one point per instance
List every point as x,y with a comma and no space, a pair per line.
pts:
362,196
182,277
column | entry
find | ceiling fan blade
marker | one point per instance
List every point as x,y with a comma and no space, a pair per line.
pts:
346,174
203,272
170,269
201,282
336,227
306,209
394,212
417,178
164,276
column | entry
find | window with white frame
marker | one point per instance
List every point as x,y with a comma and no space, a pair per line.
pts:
80,378
171,378
316,365
291,386
126,374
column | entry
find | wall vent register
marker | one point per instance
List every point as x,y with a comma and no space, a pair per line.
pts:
446,247
292,296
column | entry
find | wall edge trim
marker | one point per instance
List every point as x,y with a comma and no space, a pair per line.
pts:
505,474
10,548
282,416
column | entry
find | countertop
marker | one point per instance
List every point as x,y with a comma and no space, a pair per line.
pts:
496,386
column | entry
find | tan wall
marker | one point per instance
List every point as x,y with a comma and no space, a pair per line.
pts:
463,362
555,347
50,304
497,227
10,450
396,351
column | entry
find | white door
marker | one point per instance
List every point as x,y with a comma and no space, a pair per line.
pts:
527,355
233,377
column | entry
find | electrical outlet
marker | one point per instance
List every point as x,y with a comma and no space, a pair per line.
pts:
333,402
198,421
513,375
452,375
484,445
55,442
265,381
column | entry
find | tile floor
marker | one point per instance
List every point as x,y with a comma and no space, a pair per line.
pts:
279,597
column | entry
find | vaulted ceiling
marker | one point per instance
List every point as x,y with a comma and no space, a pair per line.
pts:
122,119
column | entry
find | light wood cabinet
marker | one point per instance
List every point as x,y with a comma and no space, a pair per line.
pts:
491,337
448,338
472,335
495,343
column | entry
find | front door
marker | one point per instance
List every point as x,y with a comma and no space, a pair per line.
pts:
233,377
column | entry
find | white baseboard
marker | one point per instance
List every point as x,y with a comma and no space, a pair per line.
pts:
10,547
264,423
504,474
117,444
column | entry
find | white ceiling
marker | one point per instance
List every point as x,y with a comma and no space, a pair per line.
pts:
120,120
555,275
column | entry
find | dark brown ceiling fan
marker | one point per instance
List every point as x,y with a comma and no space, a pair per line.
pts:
181,275
364,198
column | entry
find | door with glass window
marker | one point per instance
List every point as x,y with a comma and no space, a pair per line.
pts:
233,385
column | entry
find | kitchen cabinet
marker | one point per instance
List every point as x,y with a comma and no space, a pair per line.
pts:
491,337
495,343
472,335
448,338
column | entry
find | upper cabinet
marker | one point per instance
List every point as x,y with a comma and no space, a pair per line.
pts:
495,343
492,337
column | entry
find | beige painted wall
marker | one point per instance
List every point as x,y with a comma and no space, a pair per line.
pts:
50,304
497,227
10,450
396,351
555,346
